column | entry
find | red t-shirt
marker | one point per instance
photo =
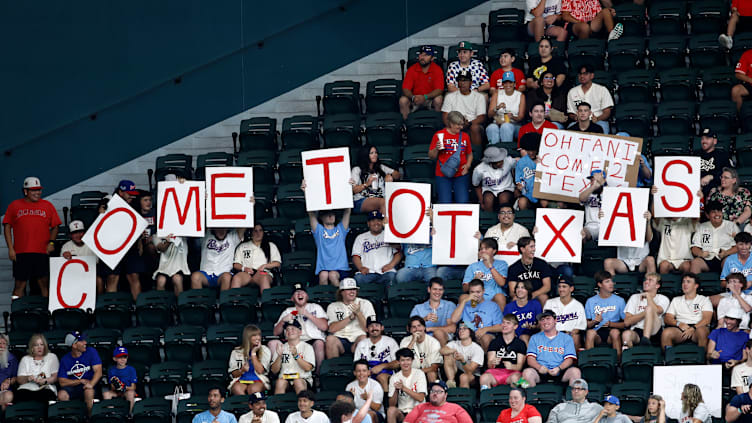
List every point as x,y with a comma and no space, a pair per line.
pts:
527,412
446,413
451,143
423,83
31,223
744,65
519,78
528,127
744,7
582,10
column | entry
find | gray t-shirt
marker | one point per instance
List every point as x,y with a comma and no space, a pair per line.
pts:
618,418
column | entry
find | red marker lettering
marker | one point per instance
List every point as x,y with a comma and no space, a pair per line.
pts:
628,215
558,235
688,204
127,241
215,195
182,214
454,214
325,161
60,283
420,218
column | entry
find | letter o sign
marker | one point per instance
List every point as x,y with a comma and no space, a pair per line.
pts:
422,215
109,214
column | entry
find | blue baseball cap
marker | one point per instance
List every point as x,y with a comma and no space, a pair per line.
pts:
594,171
128,186
73,337
612,399
508,76
120,352
428,50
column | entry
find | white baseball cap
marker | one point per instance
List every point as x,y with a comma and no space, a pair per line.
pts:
735,313
32,182
76,225
348,283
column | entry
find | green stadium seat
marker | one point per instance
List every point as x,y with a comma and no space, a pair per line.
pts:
544,397
666,51
179,164
56,341
494,52
375,293
152,410
675,118
745,177
142,344
670,145
283,404
626,53
464,397
382,95
588,51
505,24
593,256
598,364
742,43
196,306
717,83
110,411
708,17
596,392
493,401
278,230
341,130
685,354
19,342
487,219
605,78
188,408
222,339
113,310
626,285
705,51
559,49
303,238
300,132
155,308
637,363
396,327
633,397
85,206
323,294
745,116
632,18
421,125
299,266
24,412
71,319
66,412
164,377
341,97
275,300
290,203
384,129
719,115
259,133
183,343
104,341
413,52
452,290
30,314
205,374
678,84
635,118
213,159
667,17
238,305
391,155
710,283
744,149
262,161
236,404
417,163
402,297
336,373
264,196
670,285
324,400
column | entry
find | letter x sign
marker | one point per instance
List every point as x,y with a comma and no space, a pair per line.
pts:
559,236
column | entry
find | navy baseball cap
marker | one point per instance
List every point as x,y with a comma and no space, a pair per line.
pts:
375,214
73,337
128,186
428,50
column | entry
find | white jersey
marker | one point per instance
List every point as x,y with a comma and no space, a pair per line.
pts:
491,179
597,96
290,369
251,255
552,7
267,417
426,354
676,238
316,417
633,256
504,237
371,386
339,311
741,376
689,311
415,381
712,239
728,302
216,255
238,360
374,253
381,352
174,259
637,305
310,330
472,352
568,317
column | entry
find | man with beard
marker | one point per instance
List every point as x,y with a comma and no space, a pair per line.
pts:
425,347
312,319
215,413
364,385
506,233
295,361
375,260
532,269
8,372
378,350
258,413
570,313
423,85
80,371
713,240
217,255
712,161
437,408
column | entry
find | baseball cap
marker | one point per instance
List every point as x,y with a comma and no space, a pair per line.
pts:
593,172
298,287
428,50
76,226
128,186
294,322
464,74
546,313
707,132
735,313
507,76
566,279
465,45
612,399
348,283
73,337
373,319
582,382
120,352
32,182
375,214
439,383
256,397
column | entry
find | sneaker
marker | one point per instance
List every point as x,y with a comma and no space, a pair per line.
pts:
522,383
726,41
451,384
616,33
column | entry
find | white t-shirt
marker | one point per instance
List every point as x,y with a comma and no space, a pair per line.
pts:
511,102
416,381
174,259
712,239
310,330
598,96
290,366
701,413
503,237
267,417
676,239
637,305
568,317
316,417
48,366
728,302
471,106
552,7
75,250
238,359
251,255
374,253
377,187
339,311
371,386
689,311
383,351
216,255
426,354
472,352
741,376
495,180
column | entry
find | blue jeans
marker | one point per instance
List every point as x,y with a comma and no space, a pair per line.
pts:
409,274
451,272
384,279
504,132
458,184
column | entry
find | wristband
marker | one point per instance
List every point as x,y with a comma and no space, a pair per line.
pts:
425,96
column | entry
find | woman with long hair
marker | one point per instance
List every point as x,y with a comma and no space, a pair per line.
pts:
249,364
370,177
37,372
693,409
736,200
254,260
519,411
546,61
553,99
655,411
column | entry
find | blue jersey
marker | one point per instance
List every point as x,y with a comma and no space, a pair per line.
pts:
611,309
443,312
739,400
330,243
526,315
208,417
489,284
729,344
525,173
483,315
551,352
733,265
81,367
417,255
127,374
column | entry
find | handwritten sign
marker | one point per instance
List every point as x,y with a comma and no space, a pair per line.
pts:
456,225
559,237
623,223
115,231
327,175
678,181
406,205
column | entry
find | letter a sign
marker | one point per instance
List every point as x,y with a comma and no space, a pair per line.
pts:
623,223
327,175
114,232
406,205
559,237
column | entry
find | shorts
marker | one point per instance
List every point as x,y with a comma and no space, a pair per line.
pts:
714,265
342,273
104,270
502,375
656,338
212,280
357,204
346,344
675,263
746,85
603,333
75,392
30,266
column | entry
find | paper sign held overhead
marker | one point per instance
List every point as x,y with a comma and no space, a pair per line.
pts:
181,208
559,237
678,182
623,223
115,231
406,205
228,203
327,175
454,242
73,283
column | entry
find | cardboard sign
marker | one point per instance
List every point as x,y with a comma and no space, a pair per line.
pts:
327,175
567,158
454,241
669,381
623,223
115,231
228,203
406,205
678,181
559,237
73,283
181,208
509,255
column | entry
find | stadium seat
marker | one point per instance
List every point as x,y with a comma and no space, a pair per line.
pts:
104,341
179,164
626,53
745,177
214,159
264,196
593,256
164,377
238,305
626,285
494,52
487,219
300,132
708,17
745,116
236,404
142,344
19,342
602,77
396,327
188,408
632,18
705,51
341,97
71,319
719,115
291,205
685,354
709,283
259,133
402,297
67,412
438,58
29,314
113,310
341,130
744,150
221,339
24,412
637,363
323,295
505,24
598,364
596,392
85,206
56,341
678,84
493,401
635,118
391,155
544,397
155,308
667,17
208,373
676,118
588,51
324,400
336,373
275,300
417,163
421,125
263,164
666,51
283,404
375,293
633,397
183,343
464,397
558,47
452,290
152,410
742,43
290,167
298,267
384,129
717,83
110,411
382,95
196,306
670,145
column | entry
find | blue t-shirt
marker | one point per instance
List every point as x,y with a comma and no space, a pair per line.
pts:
330,246
81,367
208,417
525,173
483,315
489,284
526,315
739,400
551,352
10,371
641,180
733,265
444,312
417,255
127,374
611,309
730,344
